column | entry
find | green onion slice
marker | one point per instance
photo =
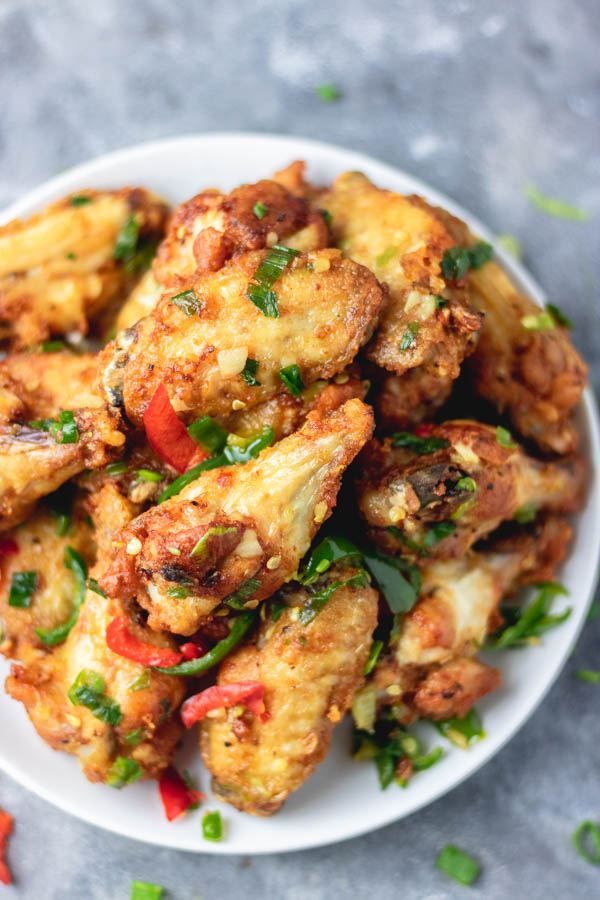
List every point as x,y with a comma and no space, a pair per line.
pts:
123,771
505,438
187,302
532,621
420,445
554,207
148,475
590,675
260,210
458,864
586,838
212,826
88,690
330,550
201,548
384,258
80,200
398,580
116,468
409,337
374,654
267,273
22,588
318,601
438,532
462,731
65,430
145,890
127,239
247,589
291,377
249,373
558,316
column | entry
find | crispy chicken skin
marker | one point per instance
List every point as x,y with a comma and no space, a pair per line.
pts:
212,227
258,519
140,302
42,686
403,243
432,656
404,401
310,673
57,268
328,308
535,377
410,493
37,386
41,550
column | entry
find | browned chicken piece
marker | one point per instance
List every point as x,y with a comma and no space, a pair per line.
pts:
428,323
532,374
310,673
404,401
246,525
293,178
63,266
440,503
144,729
36,388
39,549
328,307
431,662
212,227
140,302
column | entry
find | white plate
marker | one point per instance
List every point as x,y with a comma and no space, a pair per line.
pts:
343,798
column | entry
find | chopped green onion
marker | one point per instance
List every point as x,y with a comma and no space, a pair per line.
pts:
590,675
586,838
148,475
330,550
505,438
141,683
187,302
260,210
116,468
201,548
265,299
208,433
291,377
74,562
65,430
526,513
458,865
398,580
374,654
80,200
63,524
135,737
318,601
212,826
411,545
538,322
239,628
127,239
94,586
52,346
267,273
327,216
511,244
423,761
178,591
409,337
140,260
534,620
276,608
462,731
22,588
479,254
420,445
123,771
386,769
440,302
246,590
249,373
463,508
144,890
458,260
328,93
558,316
438,532
554,207
384,258
466,483
88,690
41,424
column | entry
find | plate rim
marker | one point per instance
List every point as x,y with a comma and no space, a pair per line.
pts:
297,146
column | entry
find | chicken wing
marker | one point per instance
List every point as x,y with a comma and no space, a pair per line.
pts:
525,363
441,501
427,323
36,547
310,673
243,526
61,267
327,308
404,401
36,454
140,736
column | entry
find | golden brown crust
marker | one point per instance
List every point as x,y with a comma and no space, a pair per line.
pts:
403,401
310,673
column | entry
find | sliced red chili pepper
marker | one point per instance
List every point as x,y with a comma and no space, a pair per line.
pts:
193,649
6,824
8,546
121,641
248,693
167,434
424,430
176,796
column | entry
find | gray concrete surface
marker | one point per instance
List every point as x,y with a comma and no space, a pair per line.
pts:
475,97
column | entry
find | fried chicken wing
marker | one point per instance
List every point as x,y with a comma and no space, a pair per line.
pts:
532,374
40,549
328,307
404,401
446,500
146,731
427,323
310,673
58,268
235,526
36,388
140,302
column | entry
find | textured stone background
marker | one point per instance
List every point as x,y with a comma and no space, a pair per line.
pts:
475,97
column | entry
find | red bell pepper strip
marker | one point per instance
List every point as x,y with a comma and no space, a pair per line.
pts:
248,693
176,796
167,434
8,546
6,824
121,641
